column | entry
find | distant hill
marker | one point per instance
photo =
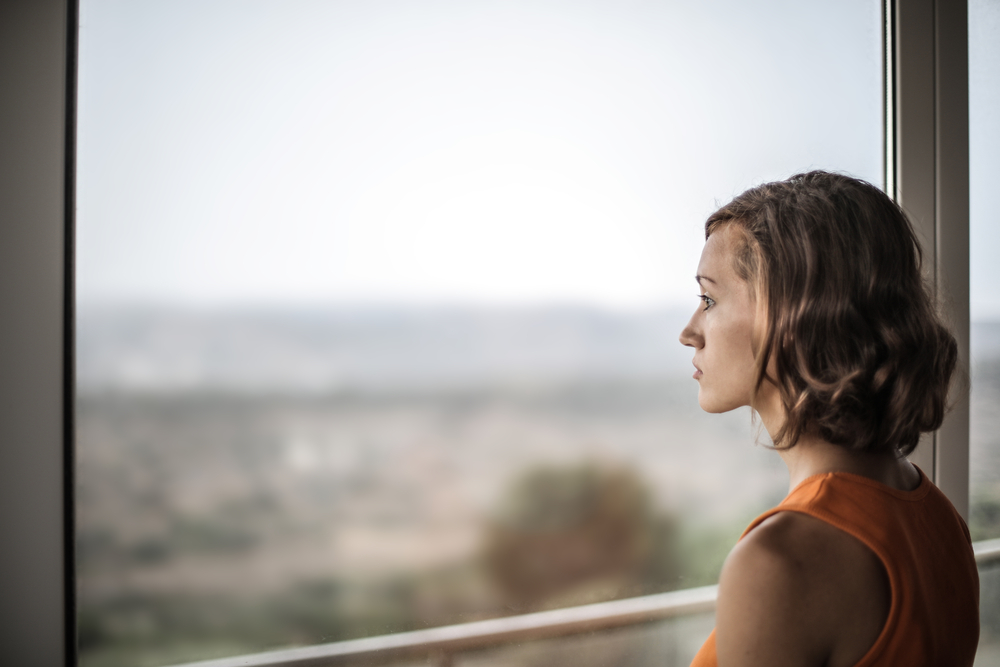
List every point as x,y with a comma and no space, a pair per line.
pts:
131,347
318,349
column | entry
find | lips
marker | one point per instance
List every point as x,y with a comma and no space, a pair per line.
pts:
697,372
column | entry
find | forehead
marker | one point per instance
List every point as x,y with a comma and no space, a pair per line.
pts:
717,257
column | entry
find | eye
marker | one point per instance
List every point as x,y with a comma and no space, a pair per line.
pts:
709,301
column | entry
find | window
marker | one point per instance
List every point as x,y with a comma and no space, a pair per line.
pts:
984,445
34,85
984,169
378,304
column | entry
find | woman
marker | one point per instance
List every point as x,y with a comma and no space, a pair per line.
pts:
815,315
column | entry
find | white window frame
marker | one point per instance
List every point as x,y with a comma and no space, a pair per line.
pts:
927,149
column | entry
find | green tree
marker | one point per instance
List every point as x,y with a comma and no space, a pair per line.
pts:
566,535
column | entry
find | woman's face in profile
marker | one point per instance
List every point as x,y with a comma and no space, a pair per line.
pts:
721,328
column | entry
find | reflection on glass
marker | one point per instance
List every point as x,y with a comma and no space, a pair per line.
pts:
379,303
984,232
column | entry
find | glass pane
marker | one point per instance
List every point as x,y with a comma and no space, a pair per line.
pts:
988,654
984,233
378,303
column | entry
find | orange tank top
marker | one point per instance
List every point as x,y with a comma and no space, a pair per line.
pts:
925,547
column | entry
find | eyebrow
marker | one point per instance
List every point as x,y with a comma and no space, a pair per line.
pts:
700,278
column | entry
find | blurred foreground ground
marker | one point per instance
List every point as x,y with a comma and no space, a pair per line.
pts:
217,516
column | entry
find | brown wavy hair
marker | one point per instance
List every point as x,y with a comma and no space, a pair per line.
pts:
846,328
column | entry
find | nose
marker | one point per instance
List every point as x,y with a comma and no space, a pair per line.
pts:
691,334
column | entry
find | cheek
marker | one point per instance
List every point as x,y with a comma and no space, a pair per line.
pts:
734,351
731,372
741,365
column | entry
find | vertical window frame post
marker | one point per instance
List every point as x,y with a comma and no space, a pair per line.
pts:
37,175
927,172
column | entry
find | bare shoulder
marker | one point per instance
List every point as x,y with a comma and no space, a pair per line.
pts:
798,591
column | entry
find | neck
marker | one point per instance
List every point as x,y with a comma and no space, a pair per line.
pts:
812,455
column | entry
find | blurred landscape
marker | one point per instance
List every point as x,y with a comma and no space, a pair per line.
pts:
984,436
256,478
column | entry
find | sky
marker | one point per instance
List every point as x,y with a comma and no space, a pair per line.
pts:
984,159
450,152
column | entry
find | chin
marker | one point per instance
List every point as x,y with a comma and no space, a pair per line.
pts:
715,406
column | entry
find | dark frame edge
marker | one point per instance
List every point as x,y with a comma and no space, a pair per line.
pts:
69,335
889,171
